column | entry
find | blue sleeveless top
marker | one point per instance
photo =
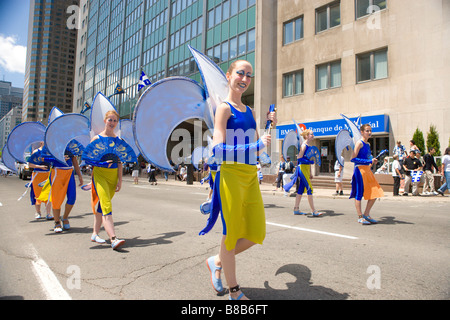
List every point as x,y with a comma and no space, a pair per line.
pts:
242,127
241,120
365,152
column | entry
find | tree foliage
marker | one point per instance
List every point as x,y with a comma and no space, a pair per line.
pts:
419,140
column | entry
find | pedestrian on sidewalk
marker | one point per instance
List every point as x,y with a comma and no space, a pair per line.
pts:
338,176
281,167
428,172
396,174
445,171
411,165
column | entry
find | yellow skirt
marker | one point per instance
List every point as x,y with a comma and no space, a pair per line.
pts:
44,195
104,183
37,178
242,207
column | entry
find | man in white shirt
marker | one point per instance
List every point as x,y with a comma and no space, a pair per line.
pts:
396,174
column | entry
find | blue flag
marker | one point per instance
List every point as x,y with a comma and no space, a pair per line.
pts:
143,81
119,89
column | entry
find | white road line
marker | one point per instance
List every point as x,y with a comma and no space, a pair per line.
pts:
50,284
312,230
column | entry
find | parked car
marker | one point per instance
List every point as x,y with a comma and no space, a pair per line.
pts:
24,172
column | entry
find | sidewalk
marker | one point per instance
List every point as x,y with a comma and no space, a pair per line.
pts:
267,188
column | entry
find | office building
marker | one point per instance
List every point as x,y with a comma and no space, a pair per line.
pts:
386,61
50,67
9,122
10,97
124,38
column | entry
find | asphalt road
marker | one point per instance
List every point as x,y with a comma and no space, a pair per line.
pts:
405,256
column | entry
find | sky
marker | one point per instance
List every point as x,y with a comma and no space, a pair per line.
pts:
13,40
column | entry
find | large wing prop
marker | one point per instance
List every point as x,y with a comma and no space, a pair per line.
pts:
343,140
62,132
347,138
215,83
8,159
127,134
292,138
22,137
100,106
162,107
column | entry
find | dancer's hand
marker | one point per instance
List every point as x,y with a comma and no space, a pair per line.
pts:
266,139
272,116
119,186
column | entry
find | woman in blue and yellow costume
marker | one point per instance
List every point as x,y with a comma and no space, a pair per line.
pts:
106,180
364,183
303,174
41,172
236,184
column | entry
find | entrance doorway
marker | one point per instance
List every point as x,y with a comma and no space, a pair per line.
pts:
327,155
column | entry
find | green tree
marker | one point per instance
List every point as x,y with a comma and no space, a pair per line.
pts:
433,142
419,140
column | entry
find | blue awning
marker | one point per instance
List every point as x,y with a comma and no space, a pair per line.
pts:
330,128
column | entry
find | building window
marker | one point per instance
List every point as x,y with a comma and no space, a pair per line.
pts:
366,7
293,30
372,66
328,75
293,84
328,17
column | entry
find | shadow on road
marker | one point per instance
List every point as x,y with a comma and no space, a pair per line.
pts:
301,289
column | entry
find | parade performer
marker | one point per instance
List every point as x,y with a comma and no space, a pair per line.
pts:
236,189
303,173
41,172
62,175
236,183
364,183
62,185
106,178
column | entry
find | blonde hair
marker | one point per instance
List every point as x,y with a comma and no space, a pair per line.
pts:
112,112
306,132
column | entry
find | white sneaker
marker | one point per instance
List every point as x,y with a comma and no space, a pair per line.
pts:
116,243
37,216
96,238
434,193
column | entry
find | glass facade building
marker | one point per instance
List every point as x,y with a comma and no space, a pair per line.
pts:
127,37
51,50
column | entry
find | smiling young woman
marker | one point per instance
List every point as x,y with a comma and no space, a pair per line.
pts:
236,182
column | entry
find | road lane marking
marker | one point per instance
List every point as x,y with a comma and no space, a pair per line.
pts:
49,282
312,230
